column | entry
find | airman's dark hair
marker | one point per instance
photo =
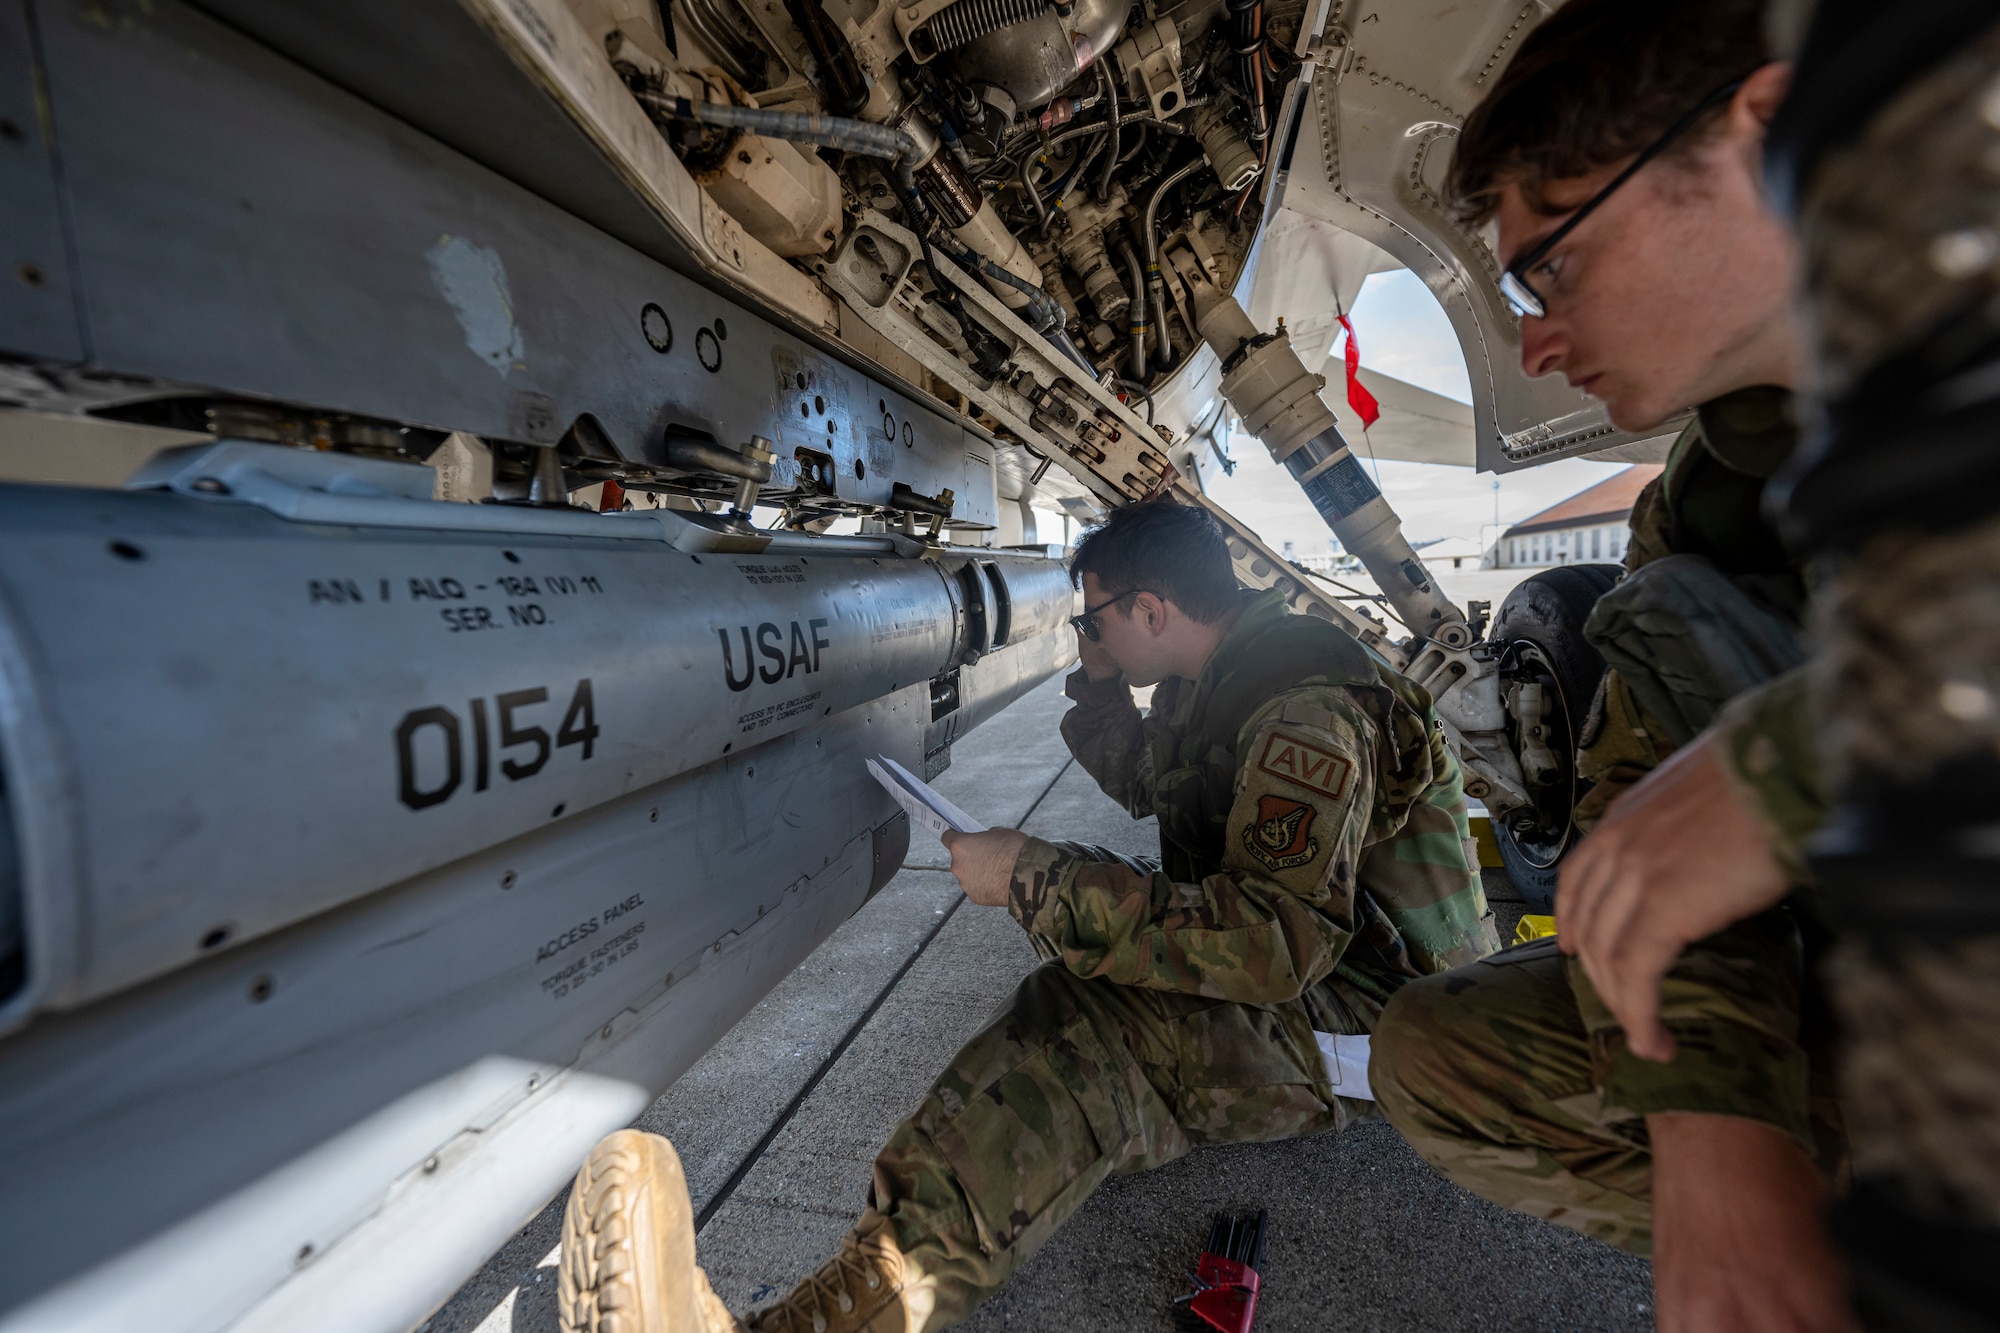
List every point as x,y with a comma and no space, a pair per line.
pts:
1175,551
1595,84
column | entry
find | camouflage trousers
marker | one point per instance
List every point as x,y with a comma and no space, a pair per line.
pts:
1487,1071
1074,1080
1509,1076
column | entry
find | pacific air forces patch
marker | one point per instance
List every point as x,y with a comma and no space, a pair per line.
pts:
1281,835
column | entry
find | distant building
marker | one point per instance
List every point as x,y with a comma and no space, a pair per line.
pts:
1450,553
1321,562
1590,527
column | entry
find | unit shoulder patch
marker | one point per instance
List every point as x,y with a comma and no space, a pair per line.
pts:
1308,766
1281,835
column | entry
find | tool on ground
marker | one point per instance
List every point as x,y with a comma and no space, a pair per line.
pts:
1225,1279
1533,927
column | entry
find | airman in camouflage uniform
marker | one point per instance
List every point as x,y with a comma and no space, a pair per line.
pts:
1315,854
1511,1076
1888,743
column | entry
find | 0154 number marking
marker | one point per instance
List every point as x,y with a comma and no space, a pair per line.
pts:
511,713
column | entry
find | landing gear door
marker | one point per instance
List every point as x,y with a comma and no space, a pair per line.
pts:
1393,85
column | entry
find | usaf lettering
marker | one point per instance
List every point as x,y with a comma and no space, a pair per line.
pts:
779,663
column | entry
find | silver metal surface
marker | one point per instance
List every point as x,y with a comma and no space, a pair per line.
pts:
1037,59
391,699
433,991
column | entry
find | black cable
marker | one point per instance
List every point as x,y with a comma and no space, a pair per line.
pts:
988,352
1103,191
1142,391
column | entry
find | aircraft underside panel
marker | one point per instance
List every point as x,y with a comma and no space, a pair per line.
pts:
366,857
443,840
240,225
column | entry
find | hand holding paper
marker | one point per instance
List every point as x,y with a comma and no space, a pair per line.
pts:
982,859
926,808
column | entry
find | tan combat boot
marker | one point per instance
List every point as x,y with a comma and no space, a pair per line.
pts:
859,1290
628,1245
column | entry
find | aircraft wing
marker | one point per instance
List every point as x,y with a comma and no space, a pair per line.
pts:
1416,425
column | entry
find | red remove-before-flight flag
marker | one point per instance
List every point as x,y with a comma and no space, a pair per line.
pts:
1358,397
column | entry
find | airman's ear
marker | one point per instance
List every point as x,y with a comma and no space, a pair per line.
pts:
1762,92
1154,610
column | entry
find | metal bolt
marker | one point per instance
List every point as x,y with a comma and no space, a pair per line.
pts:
507,879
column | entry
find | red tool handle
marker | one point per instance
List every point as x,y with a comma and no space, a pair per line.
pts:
1230,1301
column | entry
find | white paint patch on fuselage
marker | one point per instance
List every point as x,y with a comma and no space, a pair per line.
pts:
472,278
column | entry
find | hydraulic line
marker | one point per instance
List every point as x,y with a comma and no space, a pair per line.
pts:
1156,287
853,136
1136,318
988,352
841,79
1045,316
1139,389
1103,191
1247,20
740,58
1034,195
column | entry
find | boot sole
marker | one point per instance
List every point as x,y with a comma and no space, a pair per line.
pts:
628,1242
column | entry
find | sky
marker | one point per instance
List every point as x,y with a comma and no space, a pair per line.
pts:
1403,332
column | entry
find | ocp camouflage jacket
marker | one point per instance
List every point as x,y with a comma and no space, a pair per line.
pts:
1306,797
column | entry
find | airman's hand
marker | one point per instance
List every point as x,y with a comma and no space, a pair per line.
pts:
1737,1242
984,862
1677,859
1096,663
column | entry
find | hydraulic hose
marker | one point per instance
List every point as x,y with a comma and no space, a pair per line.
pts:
1103,191
841,79
1034,195
853,136
1136,319
988,352
1156,287
1046,316
1073,352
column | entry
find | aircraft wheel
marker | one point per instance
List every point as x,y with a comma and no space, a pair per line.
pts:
1540,632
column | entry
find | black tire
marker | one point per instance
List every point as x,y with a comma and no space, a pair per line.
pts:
1540,632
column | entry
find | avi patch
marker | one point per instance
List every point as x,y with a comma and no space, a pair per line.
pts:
1281,836
1307,765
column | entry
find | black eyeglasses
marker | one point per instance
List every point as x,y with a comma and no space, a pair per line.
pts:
1086,624
1522,298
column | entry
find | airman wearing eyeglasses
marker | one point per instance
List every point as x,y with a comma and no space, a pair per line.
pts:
1314,855
1619,158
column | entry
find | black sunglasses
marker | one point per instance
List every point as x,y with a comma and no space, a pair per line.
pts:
1522,298
1086,624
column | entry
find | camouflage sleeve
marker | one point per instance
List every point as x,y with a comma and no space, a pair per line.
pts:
1768,745
1275,919
1733,1002
1103,732
1424,871
1652,527
1618,746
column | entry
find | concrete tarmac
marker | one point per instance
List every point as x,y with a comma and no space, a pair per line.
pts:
778,1126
